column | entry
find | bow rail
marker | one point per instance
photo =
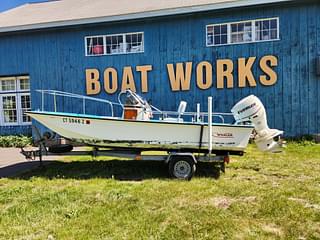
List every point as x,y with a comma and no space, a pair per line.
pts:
195,116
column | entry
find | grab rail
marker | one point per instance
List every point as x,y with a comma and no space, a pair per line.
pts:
202,115
196,116
56,93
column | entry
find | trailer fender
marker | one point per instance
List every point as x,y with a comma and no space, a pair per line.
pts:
187,155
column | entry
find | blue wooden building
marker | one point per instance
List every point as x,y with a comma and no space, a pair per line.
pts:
167,51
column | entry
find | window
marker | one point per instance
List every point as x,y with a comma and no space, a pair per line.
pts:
9,104
25,106
14,100
8,84
266,29
114,44
217,34
243,32
95,45
134,42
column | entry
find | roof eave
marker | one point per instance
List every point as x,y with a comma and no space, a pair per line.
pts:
157,13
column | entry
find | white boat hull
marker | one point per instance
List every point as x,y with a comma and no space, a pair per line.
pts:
105,131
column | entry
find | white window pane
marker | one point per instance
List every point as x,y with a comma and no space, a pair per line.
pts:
97,48
274,34
24,84
258,35
108,43
234,28
25,101
114,44
273,24
140,37
236,38
25,106
217,40
95,45
224,29
266,25
224,39
134,43
9,102
241,32
129,38
210,39
247,35
217,30
25,117
209,29
266,29
9,109
258,26
217,34
89,43
8,84
10,116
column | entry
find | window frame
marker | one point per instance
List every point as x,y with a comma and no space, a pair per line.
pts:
17,93
2,120
86,47
253,32
20,113
8,78
105,44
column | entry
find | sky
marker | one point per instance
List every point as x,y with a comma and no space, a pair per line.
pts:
7,4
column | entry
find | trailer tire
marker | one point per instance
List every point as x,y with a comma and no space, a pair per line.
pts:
182,167
60,148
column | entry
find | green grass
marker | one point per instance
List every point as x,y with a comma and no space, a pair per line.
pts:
261,196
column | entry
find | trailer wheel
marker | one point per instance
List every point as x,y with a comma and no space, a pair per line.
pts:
182,167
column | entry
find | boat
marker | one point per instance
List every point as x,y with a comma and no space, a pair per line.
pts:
143,126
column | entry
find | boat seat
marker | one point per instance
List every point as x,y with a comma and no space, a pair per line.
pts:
181,110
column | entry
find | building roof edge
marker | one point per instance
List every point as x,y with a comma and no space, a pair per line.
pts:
140,15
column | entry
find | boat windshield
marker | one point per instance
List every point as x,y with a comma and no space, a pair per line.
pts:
129,98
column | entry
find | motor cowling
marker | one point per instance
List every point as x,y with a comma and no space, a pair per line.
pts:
251,109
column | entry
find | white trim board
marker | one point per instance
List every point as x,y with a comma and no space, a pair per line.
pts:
139,15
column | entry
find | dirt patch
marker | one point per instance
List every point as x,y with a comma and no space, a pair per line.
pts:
305,203
222,202
273,229
226,202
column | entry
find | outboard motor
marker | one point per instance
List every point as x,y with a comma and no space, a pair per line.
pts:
251,109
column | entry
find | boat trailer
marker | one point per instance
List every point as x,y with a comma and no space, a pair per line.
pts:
181,162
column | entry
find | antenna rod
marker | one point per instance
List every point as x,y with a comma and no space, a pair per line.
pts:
210,125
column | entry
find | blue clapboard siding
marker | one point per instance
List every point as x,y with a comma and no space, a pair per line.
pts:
55,59
15,130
